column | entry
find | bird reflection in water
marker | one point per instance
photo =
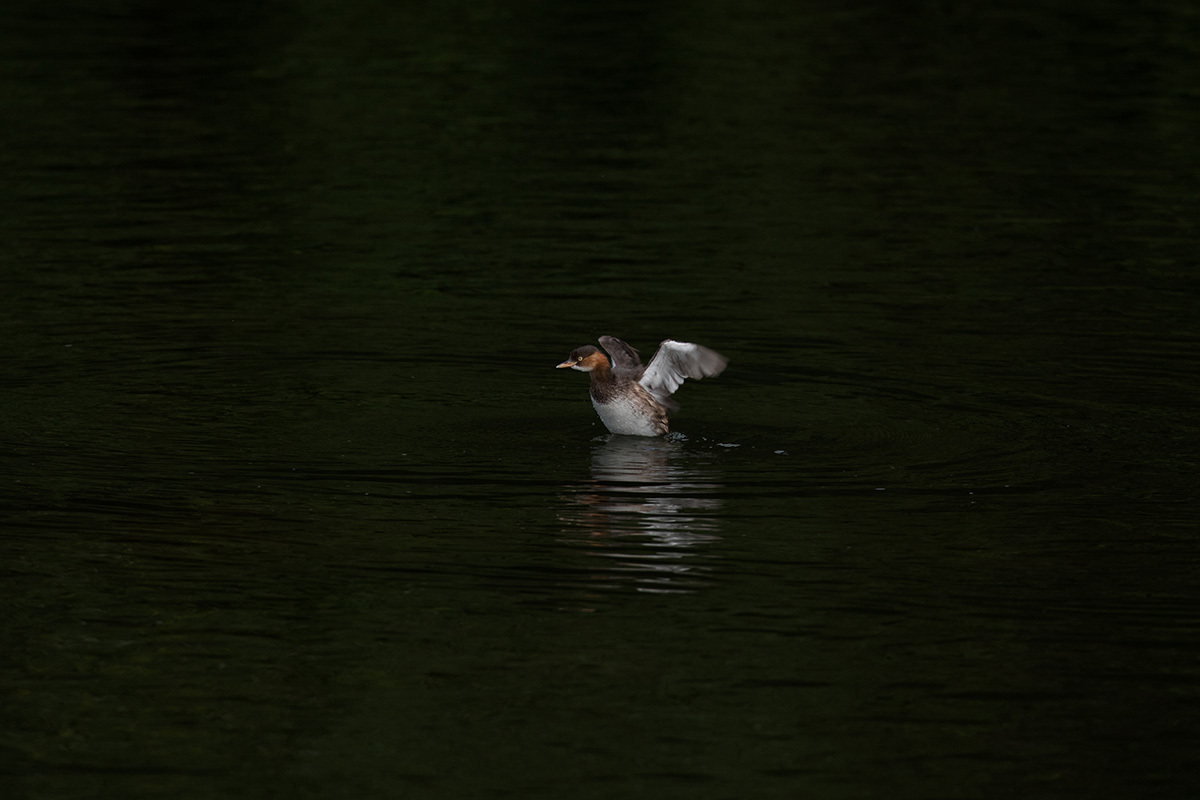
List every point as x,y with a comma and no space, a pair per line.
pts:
648,512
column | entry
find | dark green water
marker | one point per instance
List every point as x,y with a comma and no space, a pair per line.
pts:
294,503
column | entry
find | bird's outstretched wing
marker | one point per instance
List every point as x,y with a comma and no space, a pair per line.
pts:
623,356
676,361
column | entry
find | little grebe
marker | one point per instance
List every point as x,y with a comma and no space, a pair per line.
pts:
634,399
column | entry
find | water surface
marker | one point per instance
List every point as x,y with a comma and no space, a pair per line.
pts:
295,502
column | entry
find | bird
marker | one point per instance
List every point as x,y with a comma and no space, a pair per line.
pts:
632,398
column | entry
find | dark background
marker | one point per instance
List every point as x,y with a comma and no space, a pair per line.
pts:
292,500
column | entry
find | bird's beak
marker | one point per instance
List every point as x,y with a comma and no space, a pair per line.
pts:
565,365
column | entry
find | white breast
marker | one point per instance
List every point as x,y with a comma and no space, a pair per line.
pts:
632,419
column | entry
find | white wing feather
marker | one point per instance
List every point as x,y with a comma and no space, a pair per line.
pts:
676,361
